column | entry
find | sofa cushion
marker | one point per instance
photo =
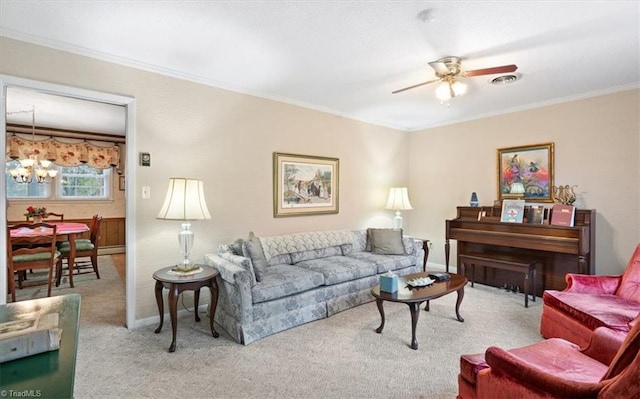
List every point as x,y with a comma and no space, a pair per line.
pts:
338,269
387,242
630,284
359,242
290,243
346,249
385,263
280,281
316,254
253,250
284,259
594,310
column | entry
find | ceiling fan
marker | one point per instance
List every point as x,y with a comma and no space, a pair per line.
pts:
448,69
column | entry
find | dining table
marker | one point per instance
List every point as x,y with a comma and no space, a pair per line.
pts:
65,231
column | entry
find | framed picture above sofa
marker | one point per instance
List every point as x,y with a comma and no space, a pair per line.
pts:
526,172
304,185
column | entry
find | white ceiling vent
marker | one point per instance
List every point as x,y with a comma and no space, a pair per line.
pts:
505,79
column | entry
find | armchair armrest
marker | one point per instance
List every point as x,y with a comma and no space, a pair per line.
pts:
604,344
526,373
592,284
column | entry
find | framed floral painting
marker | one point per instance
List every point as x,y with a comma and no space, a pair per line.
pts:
526,172
304,185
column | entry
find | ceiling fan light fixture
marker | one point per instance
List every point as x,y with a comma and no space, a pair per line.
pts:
459,88
447,90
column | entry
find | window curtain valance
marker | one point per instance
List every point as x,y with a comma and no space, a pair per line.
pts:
63,153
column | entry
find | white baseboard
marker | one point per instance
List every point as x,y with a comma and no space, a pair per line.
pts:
154,320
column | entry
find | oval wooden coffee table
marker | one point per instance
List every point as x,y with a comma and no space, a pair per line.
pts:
413,297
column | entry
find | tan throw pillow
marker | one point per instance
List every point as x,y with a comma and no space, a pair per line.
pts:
387,242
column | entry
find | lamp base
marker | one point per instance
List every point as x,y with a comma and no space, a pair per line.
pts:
185,268
179,271
397,221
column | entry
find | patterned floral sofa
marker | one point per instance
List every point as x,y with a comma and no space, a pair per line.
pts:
270,284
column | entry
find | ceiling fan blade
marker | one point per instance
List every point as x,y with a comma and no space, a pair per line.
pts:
491,71
440,67
414,86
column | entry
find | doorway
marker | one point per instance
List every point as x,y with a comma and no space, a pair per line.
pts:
65,93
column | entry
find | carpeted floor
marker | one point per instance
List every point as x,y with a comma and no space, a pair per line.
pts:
341,356
338,357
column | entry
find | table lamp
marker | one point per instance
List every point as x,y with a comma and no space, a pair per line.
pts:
517,190
185,201
398,200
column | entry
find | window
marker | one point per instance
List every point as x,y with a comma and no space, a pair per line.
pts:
83,182
72,183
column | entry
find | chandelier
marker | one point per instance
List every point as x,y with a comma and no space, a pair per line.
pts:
31,167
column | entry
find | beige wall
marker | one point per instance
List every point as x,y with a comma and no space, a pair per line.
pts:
113,208
227,140
597,147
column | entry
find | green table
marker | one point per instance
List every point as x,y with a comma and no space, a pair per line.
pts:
49,374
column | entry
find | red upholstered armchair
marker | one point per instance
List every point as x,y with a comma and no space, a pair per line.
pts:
592,301
555,368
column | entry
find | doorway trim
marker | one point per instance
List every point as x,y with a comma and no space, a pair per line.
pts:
130,200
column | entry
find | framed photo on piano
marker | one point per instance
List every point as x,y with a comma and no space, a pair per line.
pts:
526,172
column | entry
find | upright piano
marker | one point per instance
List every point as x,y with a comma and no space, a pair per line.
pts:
558,249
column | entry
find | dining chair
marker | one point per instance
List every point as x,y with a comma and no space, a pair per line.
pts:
32,246
85,248
59,216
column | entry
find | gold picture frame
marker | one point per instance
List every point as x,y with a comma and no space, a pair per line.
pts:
304,185
531,165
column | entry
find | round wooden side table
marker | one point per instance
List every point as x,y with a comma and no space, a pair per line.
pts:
177,283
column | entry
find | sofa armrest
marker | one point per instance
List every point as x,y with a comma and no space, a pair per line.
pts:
525,373
235,291
592,284
413,246
604,344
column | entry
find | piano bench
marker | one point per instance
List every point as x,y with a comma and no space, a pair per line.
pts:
504,262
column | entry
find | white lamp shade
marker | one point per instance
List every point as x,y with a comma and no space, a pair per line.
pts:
184,201
398,199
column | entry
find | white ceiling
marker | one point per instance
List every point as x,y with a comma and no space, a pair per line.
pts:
346,57
59,112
